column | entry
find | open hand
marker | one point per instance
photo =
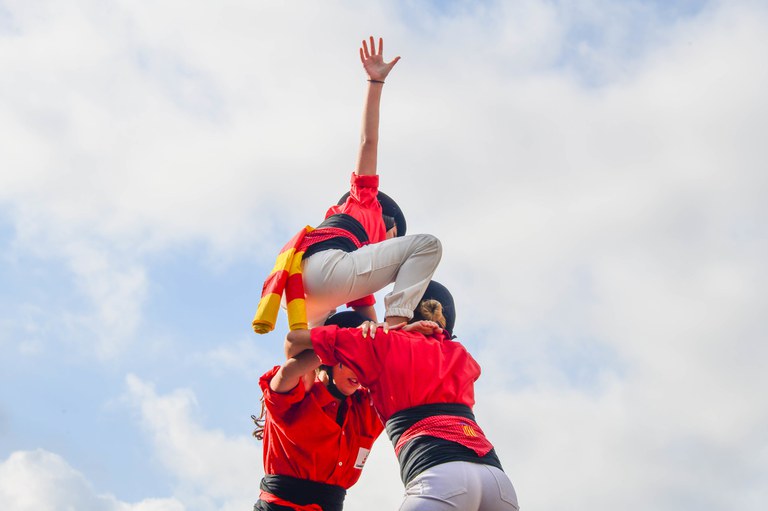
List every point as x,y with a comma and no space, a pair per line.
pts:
370,327
373,60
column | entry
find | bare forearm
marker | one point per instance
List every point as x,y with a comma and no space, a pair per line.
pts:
377,70
301,364
292,371
367,156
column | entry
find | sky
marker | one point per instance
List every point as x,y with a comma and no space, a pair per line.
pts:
595,170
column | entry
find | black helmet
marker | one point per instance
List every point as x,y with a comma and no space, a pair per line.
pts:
347,319
437,291
388,208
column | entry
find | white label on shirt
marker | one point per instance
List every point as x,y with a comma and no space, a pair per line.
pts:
362,455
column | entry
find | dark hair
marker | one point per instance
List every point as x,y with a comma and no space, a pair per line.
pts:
389,222
259,421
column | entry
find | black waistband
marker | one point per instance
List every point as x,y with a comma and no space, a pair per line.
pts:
424,452
302,491
339,221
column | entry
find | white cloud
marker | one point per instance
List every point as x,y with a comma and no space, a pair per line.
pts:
604,237
135,127
240,357
214,471
39,479
116,290
380,481
219,472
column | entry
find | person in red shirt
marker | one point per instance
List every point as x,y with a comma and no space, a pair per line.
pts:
361,247
317,431
421,382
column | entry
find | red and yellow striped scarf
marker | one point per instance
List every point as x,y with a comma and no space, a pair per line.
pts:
285,277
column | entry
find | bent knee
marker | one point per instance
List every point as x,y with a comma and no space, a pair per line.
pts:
430,243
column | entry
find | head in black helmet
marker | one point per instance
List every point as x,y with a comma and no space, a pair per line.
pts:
390,212
437,305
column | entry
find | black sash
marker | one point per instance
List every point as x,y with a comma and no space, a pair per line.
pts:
339,221
302,492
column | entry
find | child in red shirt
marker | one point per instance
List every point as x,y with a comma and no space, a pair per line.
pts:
361,247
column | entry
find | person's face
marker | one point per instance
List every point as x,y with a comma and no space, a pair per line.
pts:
345,379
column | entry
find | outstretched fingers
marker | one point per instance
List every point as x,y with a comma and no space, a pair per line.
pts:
366,52
372,58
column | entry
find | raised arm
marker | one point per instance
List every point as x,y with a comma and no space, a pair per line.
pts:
377,71
293,371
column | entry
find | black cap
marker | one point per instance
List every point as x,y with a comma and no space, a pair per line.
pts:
437,291
347,319
388,207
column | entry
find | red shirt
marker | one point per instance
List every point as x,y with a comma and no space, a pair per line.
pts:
363,205
303,440
401,369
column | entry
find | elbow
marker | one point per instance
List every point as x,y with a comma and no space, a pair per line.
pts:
369,142
297,341
291,339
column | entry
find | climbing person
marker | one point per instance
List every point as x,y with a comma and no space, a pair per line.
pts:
360,247
421,382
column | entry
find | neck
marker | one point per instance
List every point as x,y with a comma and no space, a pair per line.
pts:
334,390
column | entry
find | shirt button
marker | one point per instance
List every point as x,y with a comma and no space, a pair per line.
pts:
342,433
340,463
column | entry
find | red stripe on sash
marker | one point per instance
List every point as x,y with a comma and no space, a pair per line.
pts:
273,499
448,427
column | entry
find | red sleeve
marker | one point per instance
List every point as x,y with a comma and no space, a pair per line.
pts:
364,356
365,189
276,402
362,302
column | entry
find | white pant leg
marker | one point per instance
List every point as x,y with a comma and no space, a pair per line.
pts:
424,252
334,277
460,485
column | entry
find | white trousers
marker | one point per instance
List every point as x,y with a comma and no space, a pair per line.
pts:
334,277
460,485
